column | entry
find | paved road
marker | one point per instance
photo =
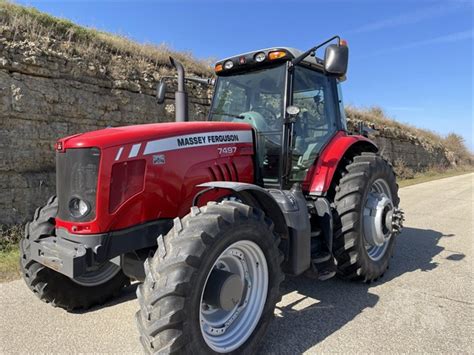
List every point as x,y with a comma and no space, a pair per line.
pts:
423,304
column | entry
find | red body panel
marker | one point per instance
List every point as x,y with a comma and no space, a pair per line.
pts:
171,172
319,177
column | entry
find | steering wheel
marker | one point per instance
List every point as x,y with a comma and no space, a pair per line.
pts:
262,110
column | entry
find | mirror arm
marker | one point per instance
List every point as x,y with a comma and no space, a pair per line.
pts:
314,49
204,81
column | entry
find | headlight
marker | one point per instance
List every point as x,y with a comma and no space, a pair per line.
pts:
78,208
228,65
260,57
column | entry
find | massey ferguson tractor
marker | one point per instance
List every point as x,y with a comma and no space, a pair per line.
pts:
210,215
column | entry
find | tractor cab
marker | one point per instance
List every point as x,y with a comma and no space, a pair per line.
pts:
292,101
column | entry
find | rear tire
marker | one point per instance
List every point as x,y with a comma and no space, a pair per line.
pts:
356,259
170,319
53,287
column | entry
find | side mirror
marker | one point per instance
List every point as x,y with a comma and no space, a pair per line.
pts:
160,92
336,59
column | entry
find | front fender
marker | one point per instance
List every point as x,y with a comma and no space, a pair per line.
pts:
289,212
258,196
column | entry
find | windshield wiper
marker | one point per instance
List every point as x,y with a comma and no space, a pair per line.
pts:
227,114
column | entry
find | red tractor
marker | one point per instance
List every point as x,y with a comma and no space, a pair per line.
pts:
210,215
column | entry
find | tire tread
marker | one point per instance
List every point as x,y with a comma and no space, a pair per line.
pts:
349,191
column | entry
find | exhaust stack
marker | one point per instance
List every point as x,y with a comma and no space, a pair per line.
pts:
181,96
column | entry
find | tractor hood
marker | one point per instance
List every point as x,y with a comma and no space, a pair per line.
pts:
146,172
110,137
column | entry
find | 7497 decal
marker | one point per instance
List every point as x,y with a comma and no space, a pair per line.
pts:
227,150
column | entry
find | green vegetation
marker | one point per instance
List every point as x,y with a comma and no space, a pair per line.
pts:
9,265
9,252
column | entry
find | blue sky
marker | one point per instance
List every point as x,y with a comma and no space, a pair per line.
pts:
414,58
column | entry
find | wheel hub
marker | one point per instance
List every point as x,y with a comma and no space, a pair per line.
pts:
233,297
224,290
378,218
381,219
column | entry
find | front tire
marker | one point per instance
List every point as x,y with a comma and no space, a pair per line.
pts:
366,217
213,283
93,288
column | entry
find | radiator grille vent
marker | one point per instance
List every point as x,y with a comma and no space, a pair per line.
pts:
224,172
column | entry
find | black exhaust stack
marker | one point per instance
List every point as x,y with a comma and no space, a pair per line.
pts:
181,96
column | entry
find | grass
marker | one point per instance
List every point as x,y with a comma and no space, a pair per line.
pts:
434,175
377,117
9,264
59,36
9,252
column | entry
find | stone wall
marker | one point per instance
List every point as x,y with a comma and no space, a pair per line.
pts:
412,154
46,94
401,148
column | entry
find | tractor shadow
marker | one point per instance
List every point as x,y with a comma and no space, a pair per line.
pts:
129,293
311,311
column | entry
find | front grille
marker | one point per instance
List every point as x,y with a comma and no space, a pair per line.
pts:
77,171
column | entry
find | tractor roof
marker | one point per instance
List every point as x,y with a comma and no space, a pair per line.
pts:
247,61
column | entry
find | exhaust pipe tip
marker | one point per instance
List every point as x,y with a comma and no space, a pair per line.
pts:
181,97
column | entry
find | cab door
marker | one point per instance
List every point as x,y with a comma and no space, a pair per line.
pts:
316,96
257,98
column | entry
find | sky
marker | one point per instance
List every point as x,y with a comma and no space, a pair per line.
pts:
413,58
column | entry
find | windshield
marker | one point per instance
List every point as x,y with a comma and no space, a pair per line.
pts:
255,97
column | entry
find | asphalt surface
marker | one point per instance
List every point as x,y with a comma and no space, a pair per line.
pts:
424,303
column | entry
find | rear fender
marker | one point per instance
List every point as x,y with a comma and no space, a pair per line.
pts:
319,178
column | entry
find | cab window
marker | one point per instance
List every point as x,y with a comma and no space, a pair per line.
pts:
316,123
232,100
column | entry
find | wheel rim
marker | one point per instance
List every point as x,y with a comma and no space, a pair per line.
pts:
98,275
377,219
231,198
226,330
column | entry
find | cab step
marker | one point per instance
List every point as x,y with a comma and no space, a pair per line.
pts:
323,266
